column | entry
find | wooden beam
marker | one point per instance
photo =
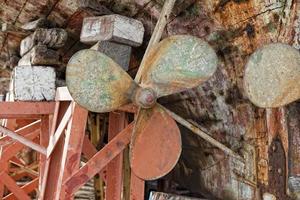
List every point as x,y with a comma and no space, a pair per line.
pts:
13,187
60,129
89,151
53,163
117,122
8,109
23,140
29,187
137,188
4,140
99,161
12,29
10,150
63,94
73,147
44,141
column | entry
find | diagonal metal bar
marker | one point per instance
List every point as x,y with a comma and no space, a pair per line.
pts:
202,134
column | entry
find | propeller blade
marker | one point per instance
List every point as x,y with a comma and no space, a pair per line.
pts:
155,145
272,76
178,63
96,82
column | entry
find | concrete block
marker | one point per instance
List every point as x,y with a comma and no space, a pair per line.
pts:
54,38
118,52
40,55
35,83
115,28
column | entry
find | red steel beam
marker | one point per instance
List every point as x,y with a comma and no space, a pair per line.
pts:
99,161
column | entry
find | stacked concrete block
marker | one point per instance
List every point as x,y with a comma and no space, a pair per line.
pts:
35,76
114,35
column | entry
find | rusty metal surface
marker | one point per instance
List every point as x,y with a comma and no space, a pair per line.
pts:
155,144
272,76
96,82
178,63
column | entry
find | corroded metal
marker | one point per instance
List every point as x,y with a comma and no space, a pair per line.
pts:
96,82
272,76
144,97
155,144
179,63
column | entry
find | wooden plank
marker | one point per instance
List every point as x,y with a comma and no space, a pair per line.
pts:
29,187
54,162
73,147
10,150
117,122
60,129
137,188
89,151
23,140
42,187
13,187
99,161
96,134
63,94
18,116
21,131
164,196
44,141
3,168
26,108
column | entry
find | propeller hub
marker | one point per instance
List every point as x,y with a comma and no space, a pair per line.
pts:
145,97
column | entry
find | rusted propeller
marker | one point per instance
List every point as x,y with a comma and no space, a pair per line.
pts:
175,64
272,76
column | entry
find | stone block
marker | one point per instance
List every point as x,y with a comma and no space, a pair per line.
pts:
54,38
39,23
115,28
40,55
165,196
118,52
35,83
